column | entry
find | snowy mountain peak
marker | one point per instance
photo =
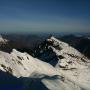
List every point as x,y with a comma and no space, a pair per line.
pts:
61,54
69,69
56,41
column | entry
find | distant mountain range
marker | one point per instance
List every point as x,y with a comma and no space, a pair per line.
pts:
28,43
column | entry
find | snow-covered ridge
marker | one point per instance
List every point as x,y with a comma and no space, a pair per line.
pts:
69,58
72,64
71,72
38,72
22,64
68,61
64,46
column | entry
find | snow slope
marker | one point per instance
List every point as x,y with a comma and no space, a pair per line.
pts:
71,72
36,74
73,65
69,58
22,64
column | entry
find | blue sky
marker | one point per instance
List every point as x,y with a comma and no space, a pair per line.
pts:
44,15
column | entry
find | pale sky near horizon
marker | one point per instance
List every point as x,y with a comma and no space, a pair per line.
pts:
44,15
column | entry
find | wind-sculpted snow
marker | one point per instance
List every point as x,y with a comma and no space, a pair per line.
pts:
50,83
70,71
69,58
40,82
22,64
72,64
35,73
68,61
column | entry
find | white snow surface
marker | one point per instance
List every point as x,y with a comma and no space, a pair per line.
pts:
74,65
73,71
72,58
23,65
